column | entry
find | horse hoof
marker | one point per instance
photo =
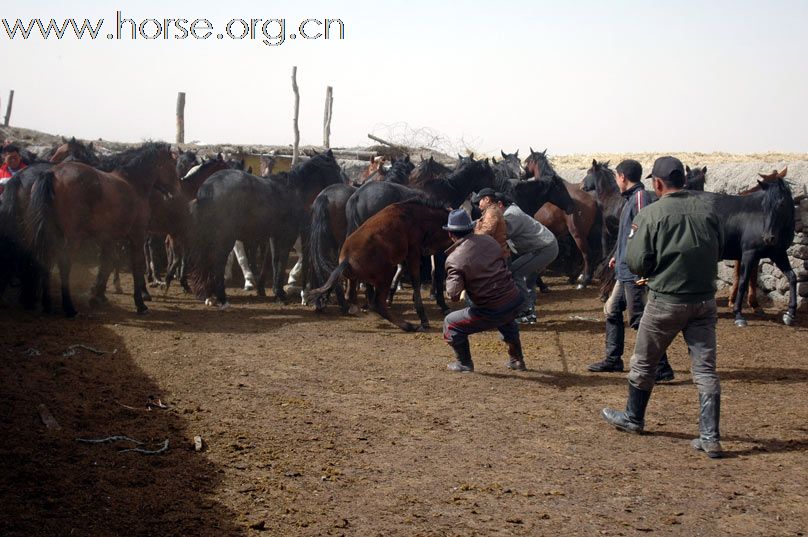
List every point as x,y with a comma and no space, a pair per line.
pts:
353,310
422,328
580,287
249,286
740,323
142,311
225,307
209,302
788,319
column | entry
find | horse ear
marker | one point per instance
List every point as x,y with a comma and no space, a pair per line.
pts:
704,169
64,140
219,156
72,139
687,169
90,147
503,153
606,165
516,154
471,155
761,183
594,163
544,152
431,158
330,153
459,156
494,160
783,173
531,150
249,170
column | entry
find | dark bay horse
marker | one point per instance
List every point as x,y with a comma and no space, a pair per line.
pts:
74,201
74,150
399,233
270,212
601,180
584,224
399,172
327,232
695,179
756,226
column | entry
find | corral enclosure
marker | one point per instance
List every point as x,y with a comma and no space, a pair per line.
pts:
322,424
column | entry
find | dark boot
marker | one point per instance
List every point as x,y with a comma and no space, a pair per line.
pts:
463,364
709,435
664,372
516,359
633,419
607,365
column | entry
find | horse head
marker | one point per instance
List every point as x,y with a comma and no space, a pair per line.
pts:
600,178
695,179
778,204
74,150
537,164
185,162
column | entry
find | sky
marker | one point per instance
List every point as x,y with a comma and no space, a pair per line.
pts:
575,77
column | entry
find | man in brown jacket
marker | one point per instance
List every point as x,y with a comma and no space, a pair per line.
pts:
475,263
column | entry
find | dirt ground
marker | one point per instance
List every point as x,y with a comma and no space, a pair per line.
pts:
319,424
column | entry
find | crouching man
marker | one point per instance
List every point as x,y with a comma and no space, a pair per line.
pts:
475,263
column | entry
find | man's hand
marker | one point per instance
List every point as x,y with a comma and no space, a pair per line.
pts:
612,263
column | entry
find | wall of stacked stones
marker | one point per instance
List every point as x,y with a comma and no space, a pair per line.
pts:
733,178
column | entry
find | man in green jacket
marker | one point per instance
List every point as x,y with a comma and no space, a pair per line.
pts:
675,245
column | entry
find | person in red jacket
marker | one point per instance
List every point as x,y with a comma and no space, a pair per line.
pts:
12,163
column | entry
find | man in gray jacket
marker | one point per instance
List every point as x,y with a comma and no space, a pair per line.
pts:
533,246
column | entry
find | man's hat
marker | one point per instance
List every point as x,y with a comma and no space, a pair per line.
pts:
459,220
668,168
483,193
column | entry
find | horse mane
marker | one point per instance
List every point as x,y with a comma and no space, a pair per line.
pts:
773,196
132,158
399,171
425,201
319,164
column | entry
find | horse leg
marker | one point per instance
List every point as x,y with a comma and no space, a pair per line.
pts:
395,283
586,274
782,262
414,266
736,277
65,265
378,299
280,258
98,293
748,261
260,283
353,299
752,300
116,277
439,282
138,262
149,257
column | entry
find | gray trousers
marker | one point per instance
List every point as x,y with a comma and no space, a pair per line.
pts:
526,270
660,323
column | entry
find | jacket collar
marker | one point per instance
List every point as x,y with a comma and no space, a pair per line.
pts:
630,192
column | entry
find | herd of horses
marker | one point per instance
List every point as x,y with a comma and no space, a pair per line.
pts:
365,231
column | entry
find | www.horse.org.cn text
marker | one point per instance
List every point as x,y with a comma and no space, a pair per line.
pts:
271,32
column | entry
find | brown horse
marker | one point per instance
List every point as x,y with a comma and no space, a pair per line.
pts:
74,201
399,233
584,224
374,172
74,150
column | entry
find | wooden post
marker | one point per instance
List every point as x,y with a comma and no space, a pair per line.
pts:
8,108
296,146
329,105
181,117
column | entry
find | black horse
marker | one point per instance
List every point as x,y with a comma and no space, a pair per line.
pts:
510,167
756,226
427,170
270,212
601,180
399,172
695,179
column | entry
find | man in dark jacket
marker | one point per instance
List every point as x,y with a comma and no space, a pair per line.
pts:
675,244
475,263
626,294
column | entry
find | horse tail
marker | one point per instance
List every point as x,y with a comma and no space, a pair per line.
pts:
41,224
200,252
322,249
315,294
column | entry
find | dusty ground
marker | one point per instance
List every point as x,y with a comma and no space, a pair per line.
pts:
330,425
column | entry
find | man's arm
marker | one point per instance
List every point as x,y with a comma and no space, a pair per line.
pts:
455,282
640,250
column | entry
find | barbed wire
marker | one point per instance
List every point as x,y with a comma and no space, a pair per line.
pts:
404,134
